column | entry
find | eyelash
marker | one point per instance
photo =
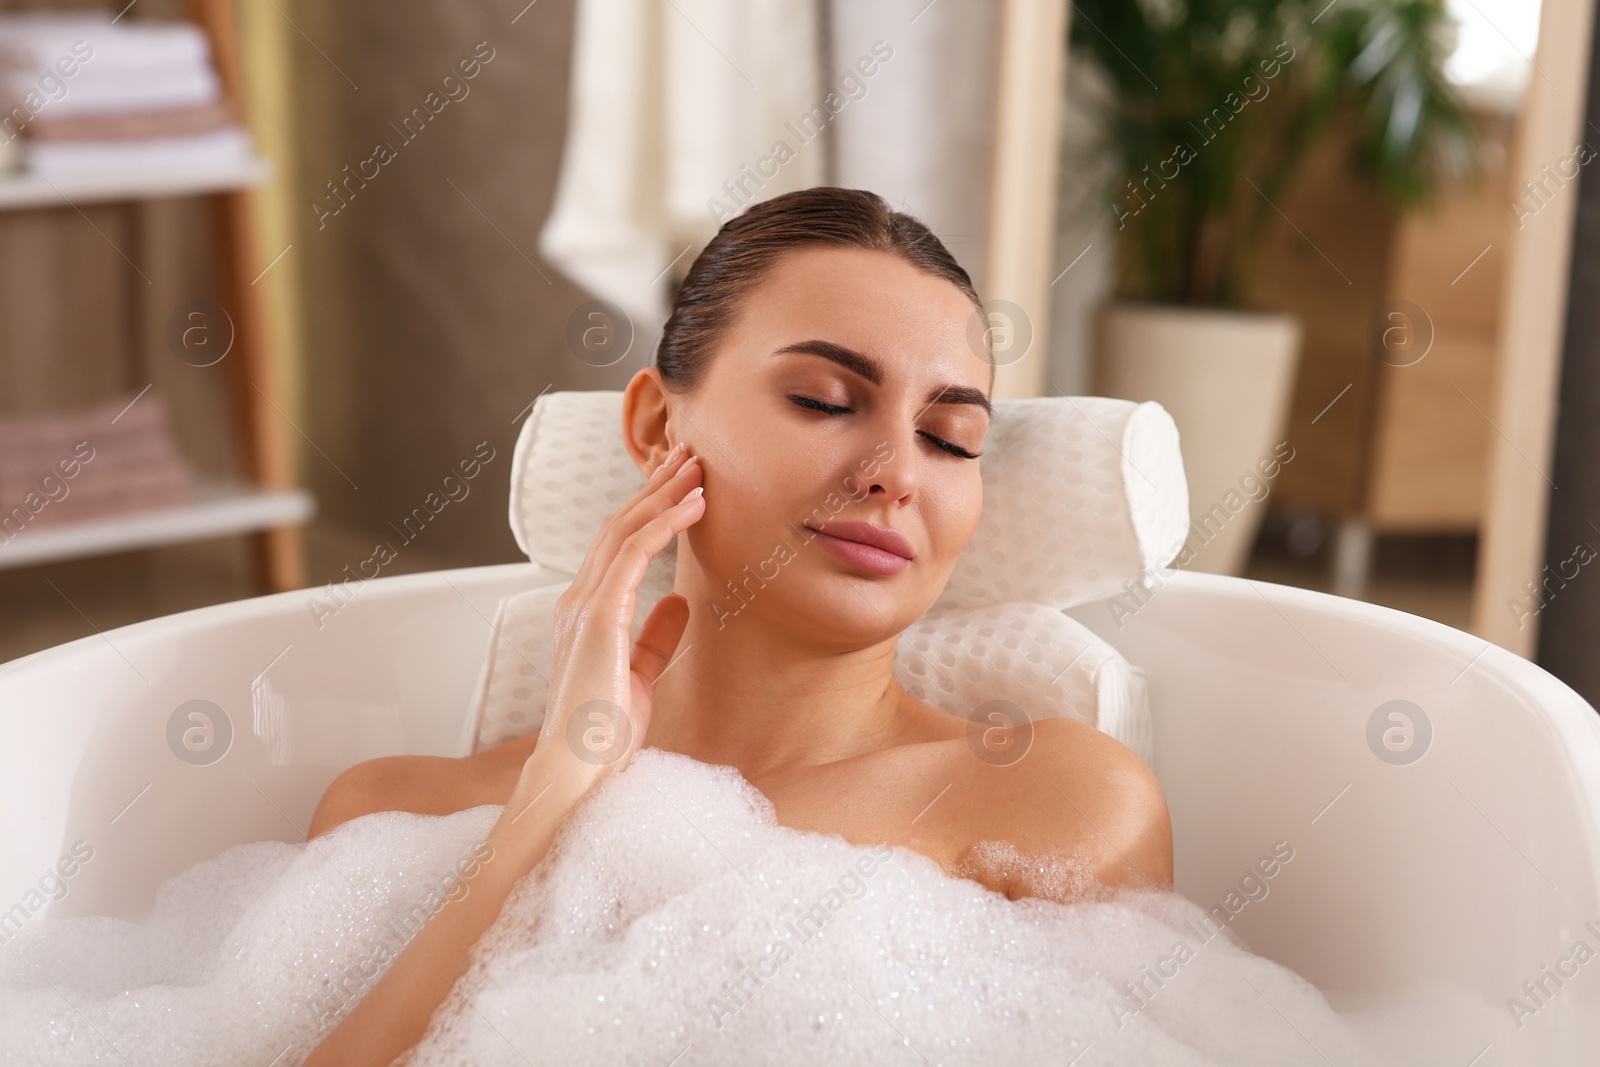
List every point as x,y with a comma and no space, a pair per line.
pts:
834,409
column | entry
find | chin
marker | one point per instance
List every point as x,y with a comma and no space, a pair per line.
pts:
808,593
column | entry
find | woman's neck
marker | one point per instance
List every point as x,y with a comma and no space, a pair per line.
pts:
748,696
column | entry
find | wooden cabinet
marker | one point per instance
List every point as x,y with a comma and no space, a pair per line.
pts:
264,501
1392,403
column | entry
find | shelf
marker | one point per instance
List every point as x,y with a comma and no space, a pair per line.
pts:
217,509
24,190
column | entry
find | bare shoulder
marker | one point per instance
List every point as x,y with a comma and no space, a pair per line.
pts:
389,783
421,785
1078,791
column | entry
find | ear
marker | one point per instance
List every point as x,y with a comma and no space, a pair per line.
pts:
644,420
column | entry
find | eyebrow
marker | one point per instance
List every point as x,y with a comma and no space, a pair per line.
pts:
872,371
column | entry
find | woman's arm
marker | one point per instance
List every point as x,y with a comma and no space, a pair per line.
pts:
593,668
394,1014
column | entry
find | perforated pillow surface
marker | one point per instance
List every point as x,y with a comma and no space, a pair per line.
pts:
1080,496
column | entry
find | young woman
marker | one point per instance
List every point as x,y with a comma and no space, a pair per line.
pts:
821,344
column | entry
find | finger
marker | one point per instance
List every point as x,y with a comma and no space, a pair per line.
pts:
619,585
669,465
595,643
660,497
596,663
659,637
629,520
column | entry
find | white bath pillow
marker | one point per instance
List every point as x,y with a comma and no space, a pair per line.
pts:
1029,657
1080,495
1026,660
514,682
569,473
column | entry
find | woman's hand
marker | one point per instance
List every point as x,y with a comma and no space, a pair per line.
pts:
601,693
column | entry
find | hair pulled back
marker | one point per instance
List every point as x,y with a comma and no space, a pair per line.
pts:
748,245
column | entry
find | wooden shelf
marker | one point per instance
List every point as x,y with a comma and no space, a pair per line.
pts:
264,504
217,508
23,190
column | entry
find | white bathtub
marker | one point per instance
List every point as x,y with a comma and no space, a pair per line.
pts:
1477,864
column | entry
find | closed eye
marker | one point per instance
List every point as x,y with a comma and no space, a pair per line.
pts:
954,450
835,409
818,405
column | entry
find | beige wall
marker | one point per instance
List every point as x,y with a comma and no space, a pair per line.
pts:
426,330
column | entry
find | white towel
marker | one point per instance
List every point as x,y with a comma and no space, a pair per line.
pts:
97,91
31,42
127,65
218,149
671,101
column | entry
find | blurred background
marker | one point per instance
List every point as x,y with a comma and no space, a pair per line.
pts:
275,275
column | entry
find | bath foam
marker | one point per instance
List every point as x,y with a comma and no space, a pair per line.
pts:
680,923
674,918
1058,875
241,956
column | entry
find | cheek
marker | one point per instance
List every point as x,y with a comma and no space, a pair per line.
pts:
751,493
951,512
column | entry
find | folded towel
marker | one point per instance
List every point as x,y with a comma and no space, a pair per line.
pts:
133,492
31,42
98,90
226,147
132,125
70,65
70,466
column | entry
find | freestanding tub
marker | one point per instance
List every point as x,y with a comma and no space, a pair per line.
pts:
1449,837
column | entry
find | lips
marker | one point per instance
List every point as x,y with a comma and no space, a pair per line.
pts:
876,549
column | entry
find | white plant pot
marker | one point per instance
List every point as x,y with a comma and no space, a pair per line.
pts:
1225,377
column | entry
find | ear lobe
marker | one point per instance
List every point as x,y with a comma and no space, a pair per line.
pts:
644,420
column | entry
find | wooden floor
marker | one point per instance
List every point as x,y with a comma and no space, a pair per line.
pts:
46,605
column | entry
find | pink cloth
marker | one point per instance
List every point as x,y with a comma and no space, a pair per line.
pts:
79,465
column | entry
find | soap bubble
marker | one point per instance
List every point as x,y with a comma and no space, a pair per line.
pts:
674,912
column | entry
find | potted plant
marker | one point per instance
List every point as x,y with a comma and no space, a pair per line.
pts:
1206,109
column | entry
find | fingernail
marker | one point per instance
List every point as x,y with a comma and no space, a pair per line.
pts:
671,453
698,490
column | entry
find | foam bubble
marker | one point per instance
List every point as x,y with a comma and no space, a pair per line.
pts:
249,957
674,921
1055,874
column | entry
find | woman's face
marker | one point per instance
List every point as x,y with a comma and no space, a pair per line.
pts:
851,389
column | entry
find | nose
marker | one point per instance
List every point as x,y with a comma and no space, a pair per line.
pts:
895,478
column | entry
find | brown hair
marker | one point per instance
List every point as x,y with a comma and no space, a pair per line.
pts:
747,246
